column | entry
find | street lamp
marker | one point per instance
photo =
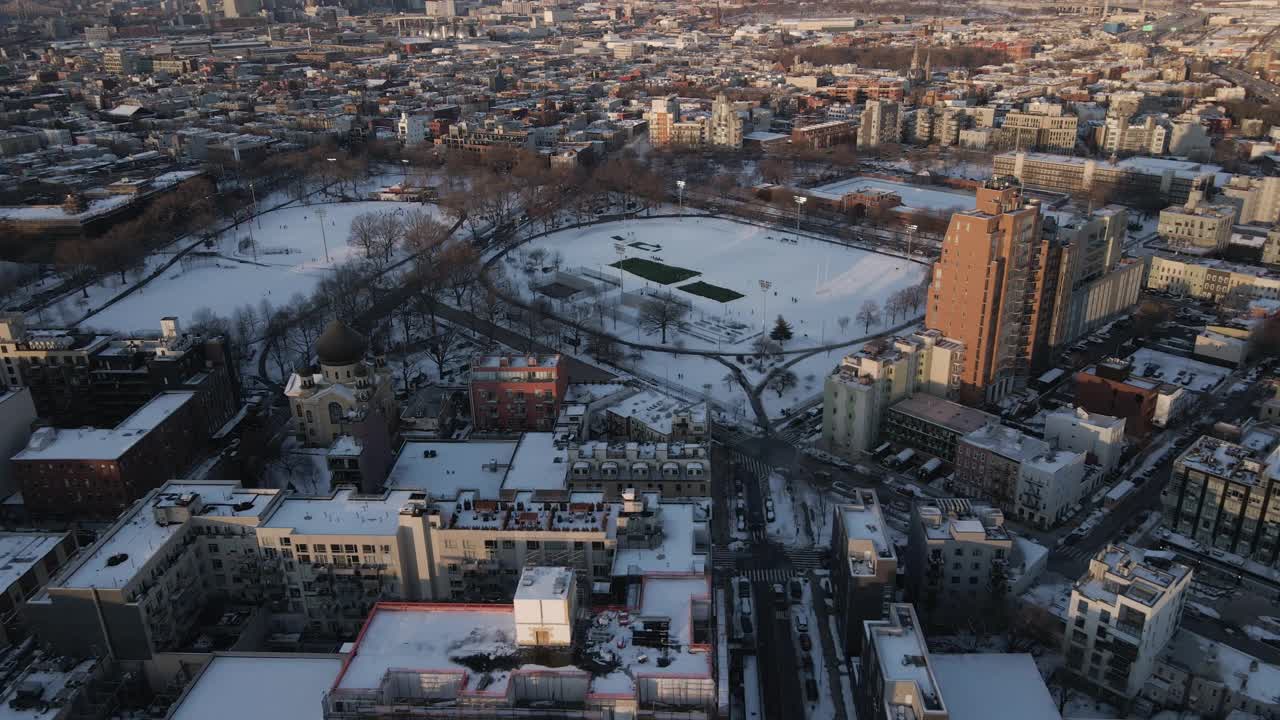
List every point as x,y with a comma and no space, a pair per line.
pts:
404,171
323,236
680,192
800,201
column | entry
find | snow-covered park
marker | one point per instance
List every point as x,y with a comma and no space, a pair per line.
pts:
715,267
290,258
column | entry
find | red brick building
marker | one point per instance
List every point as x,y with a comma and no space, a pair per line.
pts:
97,472
511,393
1112,390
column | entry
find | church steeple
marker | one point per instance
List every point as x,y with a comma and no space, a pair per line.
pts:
915,58
928,66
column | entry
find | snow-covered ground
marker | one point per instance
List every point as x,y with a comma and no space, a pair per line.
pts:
802,519
914,197
817,286
290,259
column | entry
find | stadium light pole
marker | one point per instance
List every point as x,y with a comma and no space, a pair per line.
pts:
800,201
680,194
323,236
911,233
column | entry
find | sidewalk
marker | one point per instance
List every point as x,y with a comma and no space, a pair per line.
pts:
833,657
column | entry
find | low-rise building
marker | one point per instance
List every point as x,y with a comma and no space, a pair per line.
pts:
1210,279
1100,437
1212,679
933,425
648,416
1023,475
669,469
1197,225
29,559
958,556
1123,612
865,565
17,418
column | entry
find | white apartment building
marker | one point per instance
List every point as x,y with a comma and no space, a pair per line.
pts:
1149,136
413,129
1123,612
1258,198
1099,437
1023,475
883,372
724,127
865,565
1197,226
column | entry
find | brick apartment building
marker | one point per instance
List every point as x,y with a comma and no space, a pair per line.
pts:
78,379
1112,389
98,472
511,393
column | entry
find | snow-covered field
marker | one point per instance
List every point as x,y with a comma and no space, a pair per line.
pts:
290,259
817,286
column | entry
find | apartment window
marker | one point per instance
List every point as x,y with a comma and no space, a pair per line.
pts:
304,558
977,566
321,547
1079,637
508,544
349,549
959,552
217,564
531,545
386,549
491,544
597,545
285,541
955,579
956,566
1082,606
213,548
1104,616
453,567
367,549
973,580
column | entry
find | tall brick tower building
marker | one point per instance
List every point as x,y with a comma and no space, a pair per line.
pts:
994,290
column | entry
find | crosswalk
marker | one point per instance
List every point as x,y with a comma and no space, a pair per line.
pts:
757,467
1073,552
808,559
773,575
797,435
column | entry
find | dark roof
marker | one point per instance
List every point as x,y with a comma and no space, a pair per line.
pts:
340,345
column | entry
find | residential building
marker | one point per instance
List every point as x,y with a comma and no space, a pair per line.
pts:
17,418
1258,198
348,395
413,129
663,114
1225,494
1210,279
1122,614
79,379
1211,679
1124,181
241,8
824,135
1048,128
857,395
97,472
512,393
1197,226
1100,437
1111,387
724,127
932,425
1095,284
896,680
880,124
993,290
321,563
671,470
958,554
1022,475
1148,136
30,559
899,679
864,565
648,416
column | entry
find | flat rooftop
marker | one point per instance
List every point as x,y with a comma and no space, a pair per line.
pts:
677,551
903,655
137,536
970,681
20,551
444,469
259,686
538,464
944,413
863,520
103,443
344,513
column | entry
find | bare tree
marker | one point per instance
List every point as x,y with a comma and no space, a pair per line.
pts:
843,321
782,381
868,315
661,313
364,232
443,346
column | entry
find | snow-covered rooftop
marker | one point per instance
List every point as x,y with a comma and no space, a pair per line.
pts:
344,513
675,554
20,551
103,443
259,686
444,469
1175,370
916,197
538,464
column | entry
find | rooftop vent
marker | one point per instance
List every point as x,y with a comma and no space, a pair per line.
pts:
116,559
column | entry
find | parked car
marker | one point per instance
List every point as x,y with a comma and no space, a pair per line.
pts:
744,588
802,622
841,489
811,689
744,606
747,627
805,643
797,589
779,596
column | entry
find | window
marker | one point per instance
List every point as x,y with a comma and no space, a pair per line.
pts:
367,549
1082,606
349,549
491,544
531,545
213,548
959,552
973,579
217,564
508,544
335,413
321,547
955,579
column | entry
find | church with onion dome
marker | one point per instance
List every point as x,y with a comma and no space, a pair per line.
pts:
348,391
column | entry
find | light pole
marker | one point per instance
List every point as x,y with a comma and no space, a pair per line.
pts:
254,196
333,175
404,172
680,193
800,201
323,236
764,303
911,233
